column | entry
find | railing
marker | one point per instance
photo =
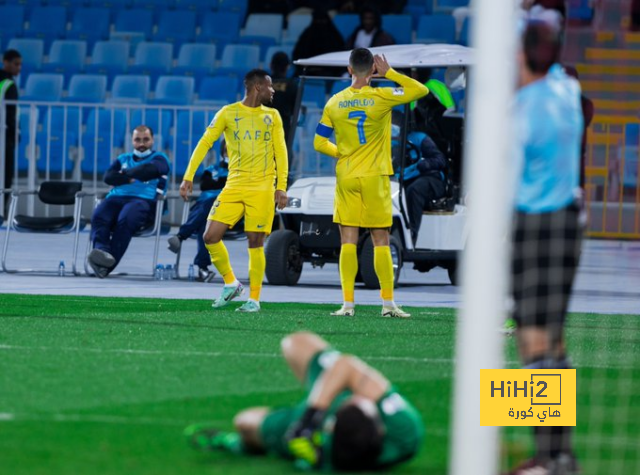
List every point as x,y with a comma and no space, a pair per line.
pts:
612,186
79,141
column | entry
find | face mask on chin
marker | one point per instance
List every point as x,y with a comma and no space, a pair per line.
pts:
144,154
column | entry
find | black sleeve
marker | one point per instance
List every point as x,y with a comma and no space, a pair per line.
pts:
432,158
149,171
11,95
113,176
208,182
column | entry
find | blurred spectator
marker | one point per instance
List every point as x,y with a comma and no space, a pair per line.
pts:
383,6
286,91
369,33
137,179
11,66
212,182
588,111
635,15
320,37
282,7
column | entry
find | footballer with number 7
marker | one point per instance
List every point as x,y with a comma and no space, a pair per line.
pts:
360,116
257,182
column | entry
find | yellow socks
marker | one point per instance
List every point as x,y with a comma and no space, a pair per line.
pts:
257,265
220,259
348,270
383,265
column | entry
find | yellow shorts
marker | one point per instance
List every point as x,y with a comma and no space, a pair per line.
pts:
257,207
363,202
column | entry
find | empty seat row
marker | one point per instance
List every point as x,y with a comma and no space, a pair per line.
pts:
62,137
132,89
68,57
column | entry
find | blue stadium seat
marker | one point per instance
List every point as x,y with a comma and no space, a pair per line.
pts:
130,89
109,58
415,12
275,49
197,5
66,57
338,86
159,120
297,24
59,133
24,149
11,21
43,87
47,23
87,88
152,59
220,28
196,60
90,24
153,5
346,23
174,90
464,32
112,4
264,24
235,6
398,26
262,42
239,58
32,52
176,27
138,19
451,4
436,29
314,94
218,90
98,141
66,3
190,125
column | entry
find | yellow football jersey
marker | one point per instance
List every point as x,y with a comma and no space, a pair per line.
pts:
255,144
361,119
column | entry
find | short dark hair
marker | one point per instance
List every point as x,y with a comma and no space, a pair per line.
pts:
253,76
357,440
361,60
279,62
541,45
11,54
143,128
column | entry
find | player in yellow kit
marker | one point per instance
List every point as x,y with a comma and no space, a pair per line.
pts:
360,116
258,168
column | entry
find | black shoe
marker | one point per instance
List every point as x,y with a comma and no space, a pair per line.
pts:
175,243
205,275
100,261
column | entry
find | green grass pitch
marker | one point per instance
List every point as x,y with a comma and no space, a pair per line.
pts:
106,385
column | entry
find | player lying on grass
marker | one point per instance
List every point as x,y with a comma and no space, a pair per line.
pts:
352,418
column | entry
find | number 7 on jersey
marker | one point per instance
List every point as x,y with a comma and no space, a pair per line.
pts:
361,116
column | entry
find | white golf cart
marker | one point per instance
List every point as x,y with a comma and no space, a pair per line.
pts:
307,232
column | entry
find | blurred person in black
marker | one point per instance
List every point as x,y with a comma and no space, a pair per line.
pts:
11,66
286,90
320,37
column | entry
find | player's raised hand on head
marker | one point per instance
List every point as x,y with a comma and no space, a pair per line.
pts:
281,199
186,188
381,65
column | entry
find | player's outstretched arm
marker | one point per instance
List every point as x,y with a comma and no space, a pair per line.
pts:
205,143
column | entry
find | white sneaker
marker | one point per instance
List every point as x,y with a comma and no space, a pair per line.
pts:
394,312
344,311
229,292
250,306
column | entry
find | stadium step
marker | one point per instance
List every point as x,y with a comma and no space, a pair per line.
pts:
607,54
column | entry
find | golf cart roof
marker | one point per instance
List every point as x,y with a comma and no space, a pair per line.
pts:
402,56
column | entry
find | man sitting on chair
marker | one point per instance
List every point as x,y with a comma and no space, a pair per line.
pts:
137,178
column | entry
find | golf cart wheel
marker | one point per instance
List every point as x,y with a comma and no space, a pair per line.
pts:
367,268
452,270
284,261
